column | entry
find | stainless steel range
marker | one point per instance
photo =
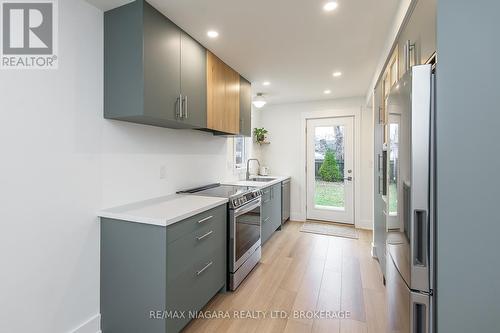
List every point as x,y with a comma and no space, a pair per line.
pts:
244,216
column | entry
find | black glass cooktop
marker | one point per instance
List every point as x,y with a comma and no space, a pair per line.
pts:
218,190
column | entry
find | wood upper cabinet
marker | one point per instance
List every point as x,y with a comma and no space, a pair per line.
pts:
223,96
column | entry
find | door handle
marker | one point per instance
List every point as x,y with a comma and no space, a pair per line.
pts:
179,112
348,179
420,231
419,313
185,104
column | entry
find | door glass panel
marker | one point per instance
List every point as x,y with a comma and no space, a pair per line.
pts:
329,167
393,168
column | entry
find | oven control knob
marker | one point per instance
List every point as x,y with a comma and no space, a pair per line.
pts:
235,202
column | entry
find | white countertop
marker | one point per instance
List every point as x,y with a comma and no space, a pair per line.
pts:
278,179
163,211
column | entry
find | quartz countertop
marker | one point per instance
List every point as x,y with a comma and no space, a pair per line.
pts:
163,211
278,179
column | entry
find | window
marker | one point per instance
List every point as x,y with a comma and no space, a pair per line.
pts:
240,152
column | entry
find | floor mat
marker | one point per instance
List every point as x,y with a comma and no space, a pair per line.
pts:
329,229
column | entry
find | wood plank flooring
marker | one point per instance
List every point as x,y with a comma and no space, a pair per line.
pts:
305,272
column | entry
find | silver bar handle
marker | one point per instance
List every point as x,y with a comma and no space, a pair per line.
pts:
205,235
185,104
179,113
205,219
204,268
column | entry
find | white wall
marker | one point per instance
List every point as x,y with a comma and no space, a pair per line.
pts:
61,163
50,179
283,155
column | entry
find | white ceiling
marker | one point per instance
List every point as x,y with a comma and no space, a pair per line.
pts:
293,44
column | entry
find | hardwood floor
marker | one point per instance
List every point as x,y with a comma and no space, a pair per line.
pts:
305,272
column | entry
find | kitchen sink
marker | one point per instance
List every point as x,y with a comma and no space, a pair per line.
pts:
262,179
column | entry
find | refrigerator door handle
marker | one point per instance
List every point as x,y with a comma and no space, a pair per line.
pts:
421,237
419,313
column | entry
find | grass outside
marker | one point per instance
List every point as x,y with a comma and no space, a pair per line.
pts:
393,198
329,194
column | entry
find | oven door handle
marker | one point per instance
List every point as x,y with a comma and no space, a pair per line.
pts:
247,208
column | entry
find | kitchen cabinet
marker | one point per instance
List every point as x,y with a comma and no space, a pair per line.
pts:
271,211
223,96
245,107
154,73
147,268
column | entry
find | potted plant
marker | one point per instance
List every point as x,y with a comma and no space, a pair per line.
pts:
260,135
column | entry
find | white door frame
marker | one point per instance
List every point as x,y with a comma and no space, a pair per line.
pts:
353,112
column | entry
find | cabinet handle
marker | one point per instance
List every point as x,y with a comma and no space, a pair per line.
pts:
204,268
205,219
205,235
179,112
185,107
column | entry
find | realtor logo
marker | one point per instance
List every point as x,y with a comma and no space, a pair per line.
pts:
29,34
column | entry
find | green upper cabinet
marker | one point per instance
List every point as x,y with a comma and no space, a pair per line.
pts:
245,107
154,73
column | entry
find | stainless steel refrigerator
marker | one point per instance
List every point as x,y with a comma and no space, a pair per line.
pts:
410,279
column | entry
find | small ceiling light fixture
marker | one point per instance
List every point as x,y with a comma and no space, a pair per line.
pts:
327,92
259,101
212,34
329,6
266,83
337,74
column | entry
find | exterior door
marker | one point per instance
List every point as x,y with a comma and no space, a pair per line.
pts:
330,169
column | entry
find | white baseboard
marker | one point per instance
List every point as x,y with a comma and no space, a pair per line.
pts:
297,216
92,325
364,224
374,251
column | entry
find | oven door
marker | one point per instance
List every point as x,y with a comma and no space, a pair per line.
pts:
245,225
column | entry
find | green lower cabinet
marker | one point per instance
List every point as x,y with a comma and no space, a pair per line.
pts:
271,211
153,278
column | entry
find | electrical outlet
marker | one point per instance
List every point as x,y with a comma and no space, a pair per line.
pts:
163,171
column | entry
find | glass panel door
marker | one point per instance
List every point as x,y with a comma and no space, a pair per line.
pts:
330,169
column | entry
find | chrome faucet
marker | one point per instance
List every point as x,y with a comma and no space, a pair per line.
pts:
248,166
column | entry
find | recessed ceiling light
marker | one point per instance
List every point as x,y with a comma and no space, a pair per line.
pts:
327,92
266,83
329,6
337,74
212,34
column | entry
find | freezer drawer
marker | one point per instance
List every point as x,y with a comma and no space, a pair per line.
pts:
409,311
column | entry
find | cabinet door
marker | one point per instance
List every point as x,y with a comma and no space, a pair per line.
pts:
245,107
223,96
232,102
216,92
193,82
266,229
161,65
276,206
